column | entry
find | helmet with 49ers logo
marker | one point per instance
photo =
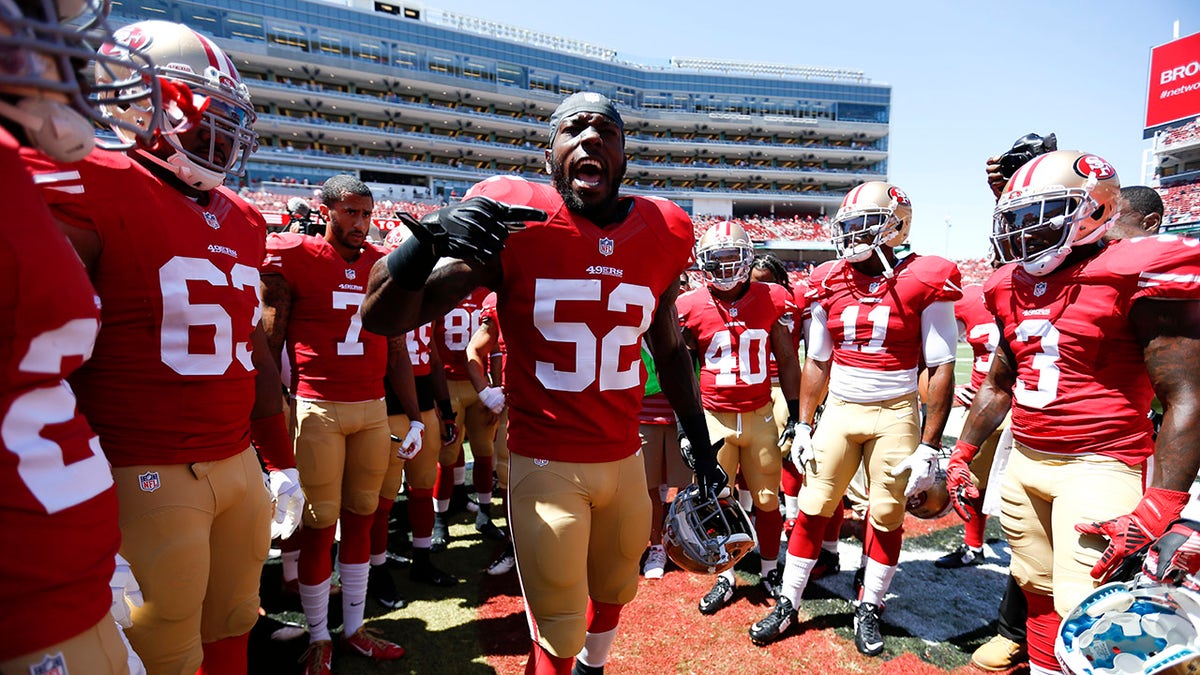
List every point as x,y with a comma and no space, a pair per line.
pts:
1051,204
725,255
872,215
205,131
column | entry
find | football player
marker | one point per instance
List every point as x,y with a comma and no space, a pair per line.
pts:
180,323
1085,326
874,319
312,288
452,335
56,610
590,273
485,368
732,324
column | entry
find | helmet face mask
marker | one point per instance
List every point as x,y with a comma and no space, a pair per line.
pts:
43,44
1052,204
725,256
706,535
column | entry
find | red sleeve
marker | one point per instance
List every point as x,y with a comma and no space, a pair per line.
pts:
1164,266
942,276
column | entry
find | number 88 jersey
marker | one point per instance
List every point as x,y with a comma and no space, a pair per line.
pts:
1081,381
574,302
170,379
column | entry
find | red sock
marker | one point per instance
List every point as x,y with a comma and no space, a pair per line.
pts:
884,547
768,525
1041,628
805,541
444,487
973,528
420,511
602,616
315,565
481,475
225,657
791,479
834,529
355,546
292,543
379,526
542,662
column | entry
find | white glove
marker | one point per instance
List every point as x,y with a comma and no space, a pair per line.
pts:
802,450
411,444
125,591
923,464
493,398
289,502
132,659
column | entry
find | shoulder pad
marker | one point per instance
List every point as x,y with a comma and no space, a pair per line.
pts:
934,270
281,241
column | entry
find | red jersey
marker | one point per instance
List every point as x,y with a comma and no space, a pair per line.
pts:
453,333
58,507
171,379
875,322
1081,380
418,340
735,339
335,358
982,334
575,301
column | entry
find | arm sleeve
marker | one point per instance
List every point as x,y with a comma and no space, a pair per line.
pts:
939,333
820,341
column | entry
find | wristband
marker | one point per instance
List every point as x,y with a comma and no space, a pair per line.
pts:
793,406
269,436
968,449
410,264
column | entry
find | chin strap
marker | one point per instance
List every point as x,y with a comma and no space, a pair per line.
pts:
53,127
887,266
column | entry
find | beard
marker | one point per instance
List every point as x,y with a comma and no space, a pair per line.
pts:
600,212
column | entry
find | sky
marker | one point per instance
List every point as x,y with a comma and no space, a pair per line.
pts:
968,78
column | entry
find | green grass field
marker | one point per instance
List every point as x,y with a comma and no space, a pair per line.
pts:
935,618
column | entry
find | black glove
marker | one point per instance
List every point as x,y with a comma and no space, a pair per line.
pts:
1175,555
788,435
685,449
474,229
709,474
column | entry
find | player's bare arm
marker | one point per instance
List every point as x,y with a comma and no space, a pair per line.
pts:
276,310
400,377
787,360
391,309
813,384
994,400
937,407
267,398
479,352
1170,334
672,358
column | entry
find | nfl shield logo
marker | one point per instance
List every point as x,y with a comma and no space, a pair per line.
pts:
51,665
149,481
606,246
541,462
874,287
733,311
211,220
350,274
1039,289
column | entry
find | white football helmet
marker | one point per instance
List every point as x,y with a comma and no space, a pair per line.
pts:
43,44
706,535
872,215
934,502
725,256
1051,204
205,132
1120,628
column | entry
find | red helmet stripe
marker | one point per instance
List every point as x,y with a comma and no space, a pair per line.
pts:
208,50
852,196
1027,171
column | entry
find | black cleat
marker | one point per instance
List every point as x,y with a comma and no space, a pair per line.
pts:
828,564
775,624
582,668
718,597
382,587
441,532
424,572
963,556
771,582
867,637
